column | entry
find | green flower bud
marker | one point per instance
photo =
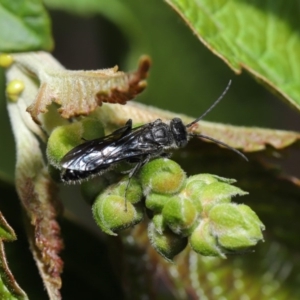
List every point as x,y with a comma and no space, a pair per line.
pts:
195,186
112,215
156,202
209,178
181,215
222,179
92,128
92,188
203,242
167,244
132,189
191,191
64,138
104,184
162,176
236,226
218,192
159,223
201,179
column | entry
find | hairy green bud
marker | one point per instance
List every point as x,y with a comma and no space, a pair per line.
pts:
167,244
92,188
131,190
162,176
116,207
181,215
156,202
203,242
218,192
159,223
236,226
111,214
66,137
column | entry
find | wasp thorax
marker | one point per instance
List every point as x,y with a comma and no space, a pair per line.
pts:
179,132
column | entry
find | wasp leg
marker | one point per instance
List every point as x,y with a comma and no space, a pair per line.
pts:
133,171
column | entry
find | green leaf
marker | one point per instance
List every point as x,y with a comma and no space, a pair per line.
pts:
6,232
260,36
9,288
25,26
192,76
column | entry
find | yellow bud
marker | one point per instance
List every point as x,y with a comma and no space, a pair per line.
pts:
14,89
5,60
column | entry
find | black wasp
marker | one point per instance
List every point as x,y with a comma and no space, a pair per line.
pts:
133,145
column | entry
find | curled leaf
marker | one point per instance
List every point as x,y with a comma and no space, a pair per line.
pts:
249,139
81,92
37,192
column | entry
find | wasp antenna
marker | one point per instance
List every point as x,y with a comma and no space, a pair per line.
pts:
212,106
220,143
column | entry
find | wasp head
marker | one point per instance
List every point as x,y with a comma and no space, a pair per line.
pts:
179,132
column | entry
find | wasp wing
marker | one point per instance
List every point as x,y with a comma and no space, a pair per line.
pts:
79,156
96,156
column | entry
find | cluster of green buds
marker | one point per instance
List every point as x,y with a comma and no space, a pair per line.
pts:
195,210
118,206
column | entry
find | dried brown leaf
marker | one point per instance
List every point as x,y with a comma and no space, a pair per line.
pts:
81,92
35,189
43,229
248,139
